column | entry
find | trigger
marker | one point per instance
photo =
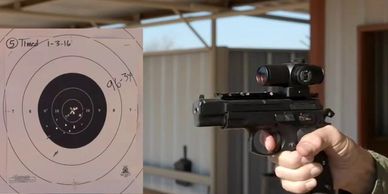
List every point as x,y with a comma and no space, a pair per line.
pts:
258,143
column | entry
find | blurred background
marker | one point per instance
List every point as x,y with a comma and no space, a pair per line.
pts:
195,47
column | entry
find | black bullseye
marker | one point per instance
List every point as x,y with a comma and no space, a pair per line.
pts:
72,110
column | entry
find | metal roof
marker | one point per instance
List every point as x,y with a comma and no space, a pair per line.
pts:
87,13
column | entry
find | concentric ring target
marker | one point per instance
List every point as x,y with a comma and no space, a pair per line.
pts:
72,114
113,119
72,110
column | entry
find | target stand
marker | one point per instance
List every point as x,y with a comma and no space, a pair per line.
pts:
71,111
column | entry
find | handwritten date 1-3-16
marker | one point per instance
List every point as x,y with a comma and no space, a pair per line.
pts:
58,43
117,82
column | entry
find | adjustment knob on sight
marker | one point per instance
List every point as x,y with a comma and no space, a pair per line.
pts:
328,113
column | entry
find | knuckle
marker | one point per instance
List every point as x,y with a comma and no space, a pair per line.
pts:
334,132
312,170
301,174
316,140
278,172
284,158
331,128
313,139
293,161
304,174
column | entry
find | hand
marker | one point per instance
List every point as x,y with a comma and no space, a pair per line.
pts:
352,167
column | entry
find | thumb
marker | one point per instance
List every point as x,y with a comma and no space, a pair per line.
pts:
327,139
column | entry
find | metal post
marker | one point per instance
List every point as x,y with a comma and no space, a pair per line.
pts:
191,28
213,60
317,48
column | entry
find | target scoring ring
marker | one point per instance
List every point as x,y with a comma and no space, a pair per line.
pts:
75,108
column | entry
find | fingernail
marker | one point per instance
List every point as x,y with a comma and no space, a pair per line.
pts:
310,184
315,171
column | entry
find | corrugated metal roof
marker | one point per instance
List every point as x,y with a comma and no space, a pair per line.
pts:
86,13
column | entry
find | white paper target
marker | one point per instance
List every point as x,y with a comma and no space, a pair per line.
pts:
71,111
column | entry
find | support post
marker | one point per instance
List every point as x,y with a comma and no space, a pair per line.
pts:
317,45
213,58
191,28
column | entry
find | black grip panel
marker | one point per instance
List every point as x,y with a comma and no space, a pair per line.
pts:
324,180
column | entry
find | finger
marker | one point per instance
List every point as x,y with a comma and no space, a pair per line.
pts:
323,138
268,141
303,160
299,186
303,173
289,159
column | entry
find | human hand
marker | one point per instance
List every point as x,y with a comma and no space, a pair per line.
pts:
352,167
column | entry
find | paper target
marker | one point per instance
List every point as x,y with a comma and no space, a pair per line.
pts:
72,111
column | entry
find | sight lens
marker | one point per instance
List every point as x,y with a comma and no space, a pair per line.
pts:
262,75
307,75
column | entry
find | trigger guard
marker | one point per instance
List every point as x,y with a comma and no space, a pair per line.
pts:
255,143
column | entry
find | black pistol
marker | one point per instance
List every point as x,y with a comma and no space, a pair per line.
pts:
283,108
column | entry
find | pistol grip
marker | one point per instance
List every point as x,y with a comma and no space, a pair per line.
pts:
324,180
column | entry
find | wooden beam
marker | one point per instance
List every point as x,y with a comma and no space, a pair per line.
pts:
240,2
273,3
66,18
156,14
286,19
192,7
24,3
